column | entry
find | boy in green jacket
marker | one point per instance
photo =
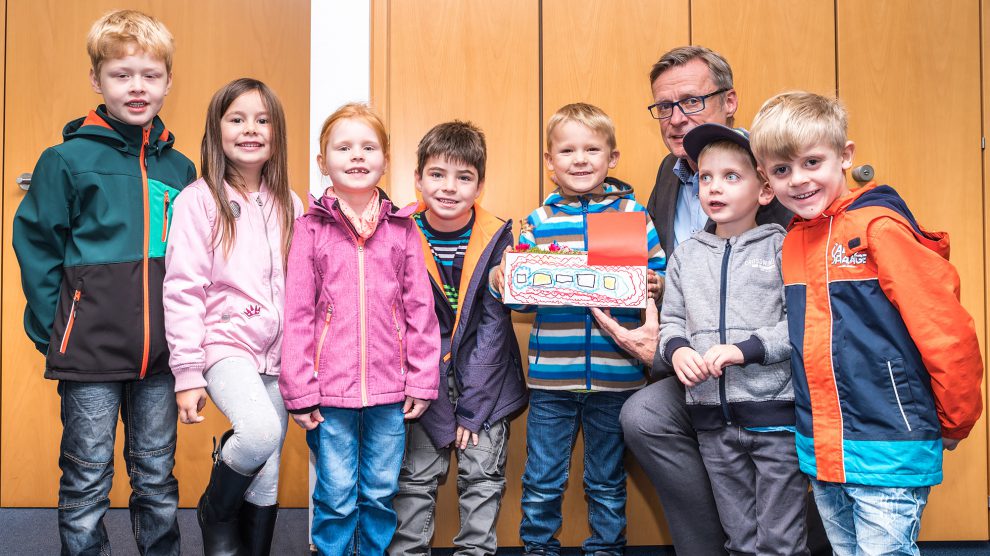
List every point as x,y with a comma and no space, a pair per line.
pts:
90,240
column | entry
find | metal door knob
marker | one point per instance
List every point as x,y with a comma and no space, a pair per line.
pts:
863,173
24,181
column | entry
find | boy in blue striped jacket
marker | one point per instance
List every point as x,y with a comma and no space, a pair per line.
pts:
578,376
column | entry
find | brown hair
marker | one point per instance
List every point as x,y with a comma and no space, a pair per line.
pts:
217,170
116,32
357,111
454,141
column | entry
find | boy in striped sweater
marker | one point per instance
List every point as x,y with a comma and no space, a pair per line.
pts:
578,376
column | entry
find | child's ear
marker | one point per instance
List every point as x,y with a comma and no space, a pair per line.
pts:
419,181
548,161
168,84
94,82
847,155
323,168
766,193
613,159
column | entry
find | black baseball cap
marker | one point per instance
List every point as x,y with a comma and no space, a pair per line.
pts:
706,134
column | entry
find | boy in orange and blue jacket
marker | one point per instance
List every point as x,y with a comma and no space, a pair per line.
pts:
886,363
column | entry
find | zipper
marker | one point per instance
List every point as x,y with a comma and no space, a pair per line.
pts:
72,320
146,348
323,337
587,312
364,325
271,281
165,218
724,280
398,333
890,371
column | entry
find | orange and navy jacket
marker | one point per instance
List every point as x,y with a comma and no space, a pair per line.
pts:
885,359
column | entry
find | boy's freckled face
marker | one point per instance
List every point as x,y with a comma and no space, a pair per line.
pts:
133,87
579,157
811,181
449,189
731,191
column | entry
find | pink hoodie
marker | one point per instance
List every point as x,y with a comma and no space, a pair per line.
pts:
360,329
217,306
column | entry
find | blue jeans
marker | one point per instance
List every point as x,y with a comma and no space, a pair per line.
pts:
89,425
871,521
552,426
358,458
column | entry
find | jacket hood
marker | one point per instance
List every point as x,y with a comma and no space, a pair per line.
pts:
614,190
99,126
326,207
884,196
758,233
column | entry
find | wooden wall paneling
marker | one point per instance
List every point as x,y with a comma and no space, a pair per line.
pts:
909,73
601,53
214,45
3,198
772,46
479,61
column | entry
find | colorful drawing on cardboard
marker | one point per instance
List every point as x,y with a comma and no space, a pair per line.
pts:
535,278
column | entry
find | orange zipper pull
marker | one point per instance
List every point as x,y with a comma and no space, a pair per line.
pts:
165,218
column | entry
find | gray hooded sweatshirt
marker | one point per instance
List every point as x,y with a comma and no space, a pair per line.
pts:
731,291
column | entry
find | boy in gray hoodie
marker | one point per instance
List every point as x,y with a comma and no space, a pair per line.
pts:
724,331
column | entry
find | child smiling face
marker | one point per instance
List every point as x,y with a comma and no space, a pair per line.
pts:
579,158
353,158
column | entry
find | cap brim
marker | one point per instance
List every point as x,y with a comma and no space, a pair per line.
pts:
706,134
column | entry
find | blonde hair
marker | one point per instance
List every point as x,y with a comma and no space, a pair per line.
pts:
588,115
354,111
114,34
793,121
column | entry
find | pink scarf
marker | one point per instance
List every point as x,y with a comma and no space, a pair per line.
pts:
364,223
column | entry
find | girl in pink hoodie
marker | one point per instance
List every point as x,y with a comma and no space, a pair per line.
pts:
362,342
223,295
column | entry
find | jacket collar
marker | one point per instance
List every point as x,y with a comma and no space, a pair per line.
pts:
98,125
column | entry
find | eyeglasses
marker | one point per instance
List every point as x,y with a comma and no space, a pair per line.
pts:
689,105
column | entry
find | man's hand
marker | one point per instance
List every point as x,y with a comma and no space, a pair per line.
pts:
308,421
414,407
720,356
689,366
463,435
640,342
654,285
190,403
950,443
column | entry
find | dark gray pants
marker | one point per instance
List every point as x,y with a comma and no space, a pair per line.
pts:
480,484
658,432
759,489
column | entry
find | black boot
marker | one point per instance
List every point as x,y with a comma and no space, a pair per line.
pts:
219,506
258,528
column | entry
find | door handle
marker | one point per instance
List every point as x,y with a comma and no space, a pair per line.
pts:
24,181
863,174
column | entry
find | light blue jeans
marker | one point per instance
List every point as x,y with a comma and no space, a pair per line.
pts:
871,521
358,458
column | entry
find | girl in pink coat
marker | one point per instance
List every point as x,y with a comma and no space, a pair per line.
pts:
223,296
362,343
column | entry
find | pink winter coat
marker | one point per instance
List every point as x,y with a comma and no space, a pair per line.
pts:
360,329
217,306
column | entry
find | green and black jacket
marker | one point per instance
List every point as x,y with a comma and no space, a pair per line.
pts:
90,240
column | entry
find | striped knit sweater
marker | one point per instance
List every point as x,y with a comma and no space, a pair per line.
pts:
567,350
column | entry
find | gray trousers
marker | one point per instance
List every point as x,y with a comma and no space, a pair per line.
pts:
257,413
759,490
480,484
